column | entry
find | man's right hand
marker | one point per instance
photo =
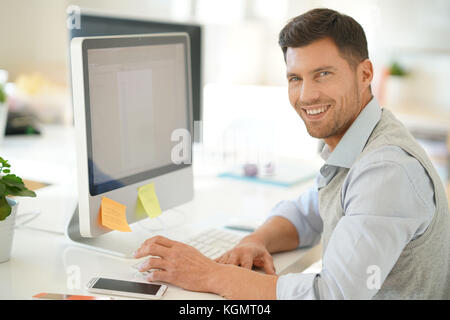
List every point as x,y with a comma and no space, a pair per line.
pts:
247,253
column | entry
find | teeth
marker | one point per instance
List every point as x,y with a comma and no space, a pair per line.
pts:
317,111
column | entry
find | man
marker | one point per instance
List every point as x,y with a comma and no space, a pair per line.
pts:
378,205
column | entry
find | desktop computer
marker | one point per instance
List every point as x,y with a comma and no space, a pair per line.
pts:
130,93
95,23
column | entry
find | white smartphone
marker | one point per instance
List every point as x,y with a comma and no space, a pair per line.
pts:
126,288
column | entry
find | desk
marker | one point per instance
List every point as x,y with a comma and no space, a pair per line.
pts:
45,261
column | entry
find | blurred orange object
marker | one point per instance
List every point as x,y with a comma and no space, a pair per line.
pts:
59,296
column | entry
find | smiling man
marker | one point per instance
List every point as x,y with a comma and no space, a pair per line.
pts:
378,204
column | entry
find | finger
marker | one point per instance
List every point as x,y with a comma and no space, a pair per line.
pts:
162,241
233,259
223,258
167,242
152,249
157,239
246,262
268,266
153,263
158,275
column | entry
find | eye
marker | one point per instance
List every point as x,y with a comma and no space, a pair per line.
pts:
294,79
324,73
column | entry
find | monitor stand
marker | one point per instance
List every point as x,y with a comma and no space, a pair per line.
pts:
121,244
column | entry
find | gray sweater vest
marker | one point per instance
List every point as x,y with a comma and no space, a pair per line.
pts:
422,270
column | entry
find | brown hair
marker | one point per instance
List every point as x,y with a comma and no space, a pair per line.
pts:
321,23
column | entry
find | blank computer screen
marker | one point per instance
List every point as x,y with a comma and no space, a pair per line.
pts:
138,97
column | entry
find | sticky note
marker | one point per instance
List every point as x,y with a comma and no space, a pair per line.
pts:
148,200
113,215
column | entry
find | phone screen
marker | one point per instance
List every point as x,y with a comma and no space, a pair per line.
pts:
126,286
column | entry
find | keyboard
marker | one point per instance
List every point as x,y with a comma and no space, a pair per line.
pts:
214,242
211,242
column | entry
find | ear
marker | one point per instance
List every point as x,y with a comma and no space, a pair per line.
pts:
365,73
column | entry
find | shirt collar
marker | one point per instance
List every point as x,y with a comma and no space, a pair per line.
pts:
354,140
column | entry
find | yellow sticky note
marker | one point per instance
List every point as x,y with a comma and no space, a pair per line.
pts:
113,215
148,200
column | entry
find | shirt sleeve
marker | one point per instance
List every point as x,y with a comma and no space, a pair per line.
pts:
303,213
387,204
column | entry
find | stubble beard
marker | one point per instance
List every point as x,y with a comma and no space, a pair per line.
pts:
337,123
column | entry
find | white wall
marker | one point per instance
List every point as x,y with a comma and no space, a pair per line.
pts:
34,33
32,37
241,36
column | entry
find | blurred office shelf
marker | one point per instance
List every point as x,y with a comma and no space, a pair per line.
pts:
424,121
431,128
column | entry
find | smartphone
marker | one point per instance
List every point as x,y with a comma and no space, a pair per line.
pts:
126,288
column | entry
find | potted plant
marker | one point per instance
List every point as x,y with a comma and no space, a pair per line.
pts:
398,86
10,185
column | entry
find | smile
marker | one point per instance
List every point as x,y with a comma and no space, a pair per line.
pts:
316,112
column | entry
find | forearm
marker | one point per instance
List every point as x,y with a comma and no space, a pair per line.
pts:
277,234
233,282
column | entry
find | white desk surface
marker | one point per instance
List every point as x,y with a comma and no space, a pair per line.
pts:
45,261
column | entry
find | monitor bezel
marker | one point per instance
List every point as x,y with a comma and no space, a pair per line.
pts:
121,42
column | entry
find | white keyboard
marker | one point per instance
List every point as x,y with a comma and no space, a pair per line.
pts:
211,242
214,242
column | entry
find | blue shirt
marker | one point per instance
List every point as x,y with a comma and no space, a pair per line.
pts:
388,200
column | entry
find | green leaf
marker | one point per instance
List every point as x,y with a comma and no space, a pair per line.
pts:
26,193
20,192
13,181
11,191
6,171
397,70
5,209
2,94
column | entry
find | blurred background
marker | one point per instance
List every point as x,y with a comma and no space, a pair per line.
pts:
243,71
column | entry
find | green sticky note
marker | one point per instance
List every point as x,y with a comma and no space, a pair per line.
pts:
148,200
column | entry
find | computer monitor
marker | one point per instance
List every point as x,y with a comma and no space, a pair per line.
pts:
130,94
93,23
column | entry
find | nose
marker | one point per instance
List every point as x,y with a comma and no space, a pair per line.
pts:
308,94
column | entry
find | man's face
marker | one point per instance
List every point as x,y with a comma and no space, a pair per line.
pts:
323,89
